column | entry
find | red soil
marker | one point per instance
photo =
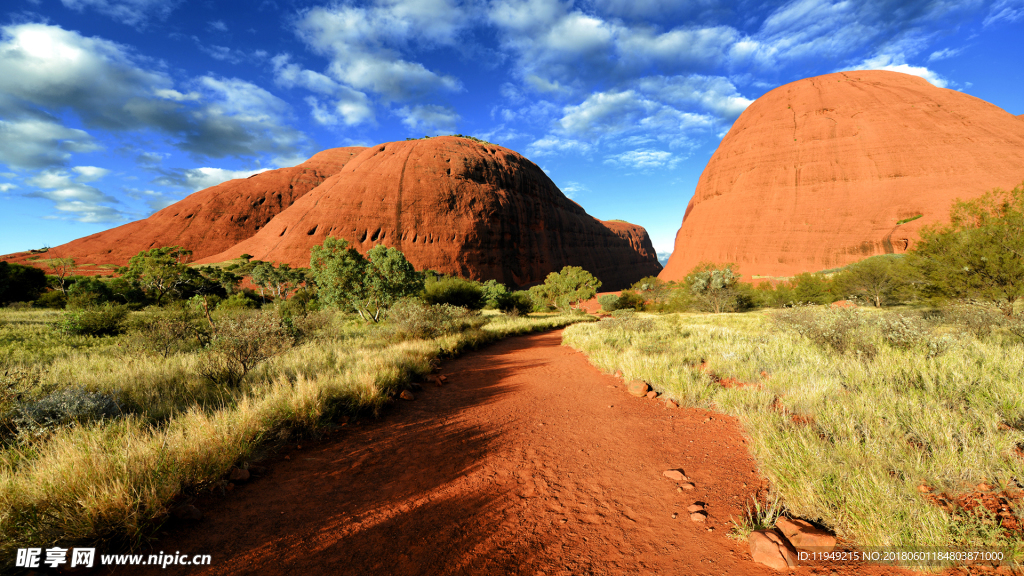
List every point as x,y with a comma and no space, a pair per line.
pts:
528,461
817,173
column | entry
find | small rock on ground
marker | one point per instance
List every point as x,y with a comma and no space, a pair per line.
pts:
700,517
671,404
637,388
652,394
805,536
238,474
768,547
187,512
695,508
675,475
406,395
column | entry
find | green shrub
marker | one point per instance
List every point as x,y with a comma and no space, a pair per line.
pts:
52,299
170,330
977,318
454,292
629,321
105,320
411,318
20,283
240,342
516,303
631,300
88,292
238,301
608,302
837,329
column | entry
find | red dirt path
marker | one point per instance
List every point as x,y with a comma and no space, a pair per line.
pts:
528,461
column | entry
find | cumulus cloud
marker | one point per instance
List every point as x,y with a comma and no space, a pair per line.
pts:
196,179
365,44
349,106
6,187
643,159
130,12
75,199
614,114
429,117
45,68
894,64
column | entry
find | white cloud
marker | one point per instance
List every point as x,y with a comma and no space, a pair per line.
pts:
7,187
574,189
615,114
1008,10
90,173
365,44
71,196
643,159
713,93
944,53
130,12
196,179
429,117
350,106
46,70
886,62
552,144
217,25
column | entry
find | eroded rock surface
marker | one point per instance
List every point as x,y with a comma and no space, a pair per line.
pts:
818,173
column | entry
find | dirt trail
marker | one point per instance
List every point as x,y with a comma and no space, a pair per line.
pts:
528,461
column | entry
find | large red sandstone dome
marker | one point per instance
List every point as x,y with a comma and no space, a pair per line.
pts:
816,174
457,206
210,220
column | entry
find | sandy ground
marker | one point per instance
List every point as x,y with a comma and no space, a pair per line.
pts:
528,461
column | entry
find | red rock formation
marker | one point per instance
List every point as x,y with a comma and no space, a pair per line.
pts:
210,220
816,174
460,207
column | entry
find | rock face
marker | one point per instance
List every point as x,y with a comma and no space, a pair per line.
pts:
818,173
214,219
456,206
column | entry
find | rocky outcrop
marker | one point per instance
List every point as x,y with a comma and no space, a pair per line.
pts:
211,220
830,170
457,206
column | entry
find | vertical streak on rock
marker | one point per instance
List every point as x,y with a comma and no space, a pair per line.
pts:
398,200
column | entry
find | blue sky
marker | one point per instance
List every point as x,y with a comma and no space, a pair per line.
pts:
112,109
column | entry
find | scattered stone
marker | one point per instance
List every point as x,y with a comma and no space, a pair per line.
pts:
695,507
437,381
805,536
700,517
618,374
652,394
671,404
768,547
674,515
287,457
443,377
406,395
187,512
687,486
237,474
637,388
676,475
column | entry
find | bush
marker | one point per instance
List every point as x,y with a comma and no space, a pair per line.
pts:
61,409
495,293
411,318
238,301
170,330
629,321
978,318
454,292
903,331
516,303
240,342
608,302
20,283
631,300
832,329
53,299
105,320
88,292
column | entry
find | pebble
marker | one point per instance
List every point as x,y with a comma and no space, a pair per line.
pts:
700,517
687,486
695,508
676,475
406,395
238,474
652,394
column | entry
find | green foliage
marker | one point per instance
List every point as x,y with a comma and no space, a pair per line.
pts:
629,300
566,288
104,320
368,286
911,219
20,283
652,289
159,271
238,301
457,292
518,303
608,302
714,287
980,254
495,293
412,318
170,330
279,281
839,330
88,292
240,342
881,280
63,270
51,299
977,318
812,289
